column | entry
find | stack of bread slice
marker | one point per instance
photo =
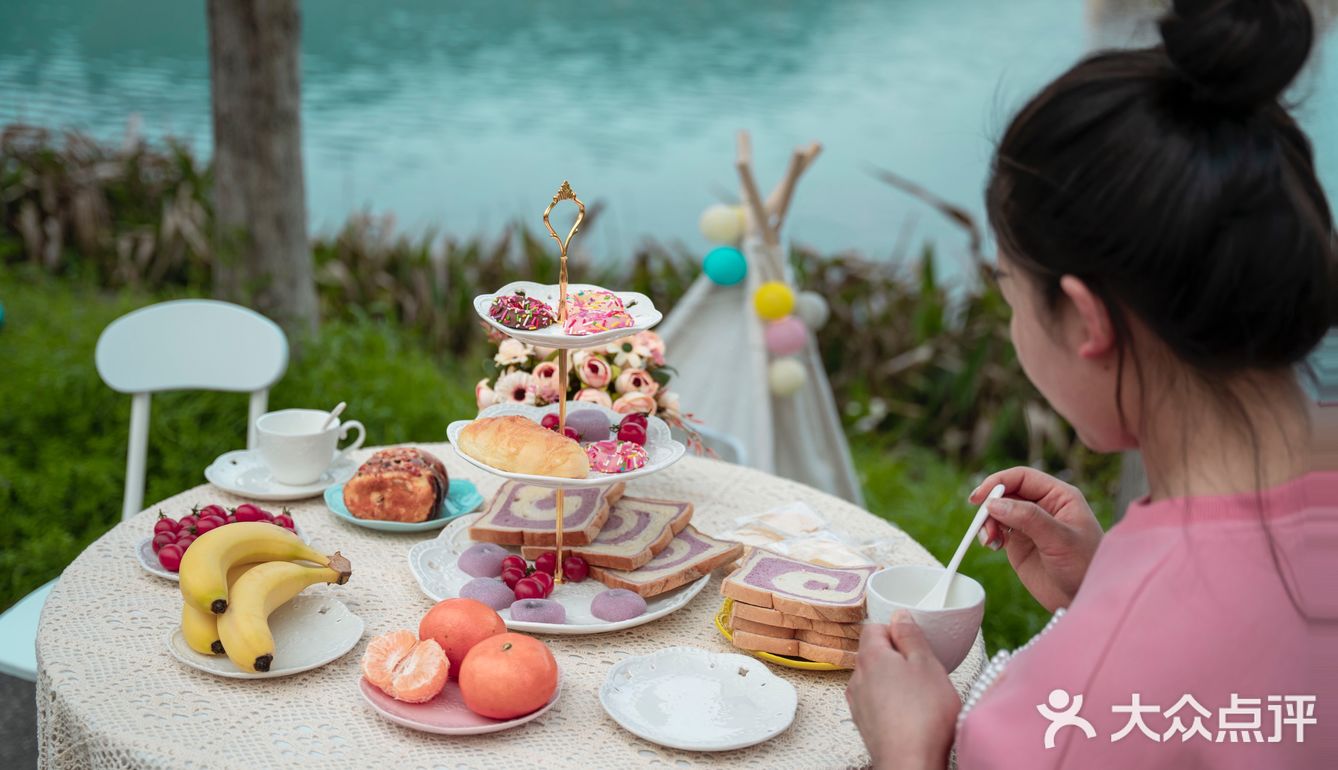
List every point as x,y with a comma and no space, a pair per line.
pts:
789,607
646,546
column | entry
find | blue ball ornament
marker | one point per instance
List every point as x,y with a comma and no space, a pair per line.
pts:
725,265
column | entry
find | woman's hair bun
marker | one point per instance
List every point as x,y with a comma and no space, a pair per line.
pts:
1238,53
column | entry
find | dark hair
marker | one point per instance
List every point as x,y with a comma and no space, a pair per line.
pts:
1173,182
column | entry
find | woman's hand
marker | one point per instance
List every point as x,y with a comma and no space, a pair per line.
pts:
901,699
1048,529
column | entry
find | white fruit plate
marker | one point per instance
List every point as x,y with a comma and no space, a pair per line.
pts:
445,714
433,563
149,560
735,701
309,631
639,306
661,447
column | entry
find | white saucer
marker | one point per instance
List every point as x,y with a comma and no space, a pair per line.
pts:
243,473
309,631
692,699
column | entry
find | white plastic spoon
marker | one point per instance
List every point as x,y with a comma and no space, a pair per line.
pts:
938,595
334,413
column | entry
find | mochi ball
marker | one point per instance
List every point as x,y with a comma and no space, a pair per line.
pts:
490,591
538,611
616,604
592,424
483,560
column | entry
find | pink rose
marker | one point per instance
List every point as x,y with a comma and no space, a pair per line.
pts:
547,386
484,396
594,372
634,403
650,344
669,402
594,396
637,381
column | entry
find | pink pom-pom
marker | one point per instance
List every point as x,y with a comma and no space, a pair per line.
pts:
787,337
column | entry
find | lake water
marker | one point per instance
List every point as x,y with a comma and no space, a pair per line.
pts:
464,116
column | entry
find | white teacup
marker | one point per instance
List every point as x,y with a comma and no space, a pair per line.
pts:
295,448
951,630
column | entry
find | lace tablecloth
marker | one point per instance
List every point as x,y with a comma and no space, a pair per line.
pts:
110,695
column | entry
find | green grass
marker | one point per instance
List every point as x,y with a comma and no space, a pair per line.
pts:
64,436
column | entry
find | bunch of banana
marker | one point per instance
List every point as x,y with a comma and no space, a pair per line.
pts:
233,577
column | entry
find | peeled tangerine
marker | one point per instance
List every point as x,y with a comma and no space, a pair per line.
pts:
406,668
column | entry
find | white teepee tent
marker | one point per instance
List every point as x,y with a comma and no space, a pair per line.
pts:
720,352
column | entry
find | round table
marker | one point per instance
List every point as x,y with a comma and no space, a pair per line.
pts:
110,695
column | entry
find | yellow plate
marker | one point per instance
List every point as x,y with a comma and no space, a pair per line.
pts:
722,625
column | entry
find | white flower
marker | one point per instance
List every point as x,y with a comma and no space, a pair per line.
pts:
515,388
512,351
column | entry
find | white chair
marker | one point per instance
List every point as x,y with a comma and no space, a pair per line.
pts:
189,344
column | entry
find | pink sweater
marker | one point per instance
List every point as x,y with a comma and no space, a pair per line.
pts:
1185,598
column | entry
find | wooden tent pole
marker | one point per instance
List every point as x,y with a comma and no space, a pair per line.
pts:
758,219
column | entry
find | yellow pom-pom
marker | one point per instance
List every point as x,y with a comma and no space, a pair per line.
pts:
722,224
773,300
786,376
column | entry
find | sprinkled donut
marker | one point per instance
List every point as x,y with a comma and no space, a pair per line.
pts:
616,456
592,311
517,311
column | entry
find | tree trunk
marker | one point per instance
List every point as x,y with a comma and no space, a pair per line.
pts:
263,258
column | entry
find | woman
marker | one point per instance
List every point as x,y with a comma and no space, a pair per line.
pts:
1169,257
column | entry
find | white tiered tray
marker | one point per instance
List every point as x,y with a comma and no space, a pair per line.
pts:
433,563
663,450
639,306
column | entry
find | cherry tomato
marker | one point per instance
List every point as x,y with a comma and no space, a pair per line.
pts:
637,418
163,538
528,588
547,562
575,569
248,512
284,520
544,580
550,421
213,509
630,431
206,524
514,561
571,433
170,557
231,519
511,576
164,524
184,542
187,523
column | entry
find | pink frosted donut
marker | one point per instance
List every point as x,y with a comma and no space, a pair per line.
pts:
593,311
616,456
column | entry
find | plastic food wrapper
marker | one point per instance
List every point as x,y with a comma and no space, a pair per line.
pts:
798,531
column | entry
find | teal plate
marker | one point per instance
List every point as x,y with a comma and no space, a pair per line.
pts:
462,497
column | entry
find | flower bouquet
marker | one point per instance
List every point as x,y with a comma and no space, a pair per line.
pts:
628,376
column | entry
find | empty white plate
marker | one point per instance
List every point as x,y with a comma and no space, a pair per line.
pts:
692,699
309,631
243,473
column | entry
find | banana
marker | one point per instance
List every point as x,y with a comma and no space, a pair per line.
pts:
204,568
244,628
200,629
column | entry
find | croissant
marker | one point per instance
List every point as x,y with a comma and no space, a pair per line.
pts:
517,445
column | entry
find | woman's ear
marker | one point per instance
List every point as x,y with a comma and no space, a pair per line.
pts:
1098,333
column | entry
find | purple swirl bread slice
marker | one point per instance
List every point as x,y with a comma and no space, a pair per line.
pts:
797,588
523,514
825,640
689,556
759,643
820,654
635,531
776,618
761,629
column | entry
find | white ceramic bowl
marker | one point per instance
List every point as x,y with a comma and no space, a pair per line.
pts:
951,630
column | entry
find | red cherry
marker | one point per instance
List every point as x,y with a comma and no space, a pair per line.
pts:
183,542
637,418
232,519
284,520
170,557
528,588
187,523
213,509
547,562
575,569
163,538
550,421
207,524
545,581
571,433
630,431
248,512
164,524
511,576
514,562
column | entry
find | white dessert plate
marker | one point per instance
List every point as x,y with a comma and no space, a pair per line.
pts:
243,473
639,306
433,563
149,560
462,497
692,699
661,448
445,714
309,631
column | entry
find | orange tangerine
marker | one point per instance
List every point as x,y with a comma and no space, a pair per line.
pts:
405,668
